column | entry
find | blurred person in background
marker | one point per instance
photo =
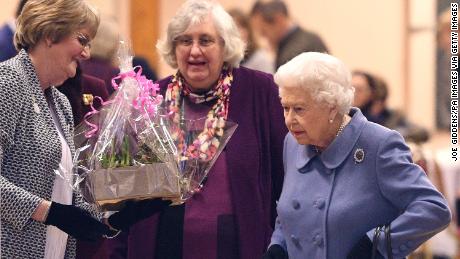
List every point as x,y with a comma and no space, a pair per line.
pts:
371,95
271,19
443,71
364,84
444,244
254,57
81,91
103,63
443,93
41,216
233,215
348,175
7,49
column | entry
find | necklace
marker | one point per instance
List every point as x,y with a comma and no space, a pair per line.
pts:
341,127
207,142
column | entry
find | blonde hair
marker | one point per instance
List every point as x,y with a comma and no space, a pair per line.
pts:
193,12
54,20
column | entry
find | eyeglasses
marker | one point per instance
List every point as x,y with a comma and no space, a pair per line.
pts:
187,41
83,40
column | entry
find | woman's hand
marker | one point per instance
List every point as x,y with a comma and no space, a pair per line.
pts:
136,211
76,222
275,252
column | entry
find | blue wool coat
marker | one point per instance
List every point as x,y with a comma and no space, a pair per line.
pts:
331,200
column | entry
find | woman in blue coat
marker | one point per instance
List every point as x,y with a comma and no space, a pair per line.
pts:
344,175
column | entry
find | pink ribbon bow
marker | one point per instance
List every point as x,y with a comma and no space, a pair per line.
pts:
147,97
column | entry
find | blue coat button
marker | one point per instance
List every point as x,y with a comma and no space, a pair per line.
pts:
295,241
319,203
403,247
318,240
296,204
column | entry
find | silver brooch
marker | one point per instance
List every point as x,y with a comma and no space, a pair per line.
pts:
359,155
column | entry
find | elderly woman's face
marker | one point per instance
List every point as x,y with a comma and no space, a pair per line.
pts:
200,54
65,54
306,119
363,93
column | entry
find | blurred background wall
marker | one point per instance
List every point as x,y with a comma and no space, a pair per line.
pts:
394,39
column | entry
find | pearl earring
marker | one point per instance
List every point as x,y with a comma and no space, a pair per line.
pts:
331,120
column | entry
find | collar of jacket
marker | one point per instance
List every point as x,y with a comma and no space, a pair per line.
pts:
340,147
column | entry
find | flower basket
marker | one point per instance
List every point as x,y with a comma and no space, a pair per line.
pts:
113,186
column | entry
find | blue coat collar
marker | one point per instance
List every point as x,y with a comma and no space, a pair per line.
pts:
340,147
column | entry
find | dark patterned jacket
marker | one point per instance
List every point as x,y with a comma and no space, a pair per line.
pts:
30,151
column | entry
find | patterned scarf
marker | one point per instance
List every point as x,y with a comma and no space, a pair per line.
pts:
207,143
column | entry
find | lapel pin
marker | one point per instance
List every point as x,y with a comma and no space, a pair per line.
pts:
87,99
359,155
35,105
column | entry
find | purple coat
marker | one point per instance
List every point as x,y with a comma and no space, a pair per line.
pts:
74,89
255,168
102,69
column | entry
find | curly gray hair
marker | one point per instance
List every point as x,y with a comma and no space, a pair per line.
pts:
325,77
193,12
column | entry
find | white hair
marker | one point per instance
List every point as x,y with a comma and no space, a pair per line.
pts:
194,12
325,77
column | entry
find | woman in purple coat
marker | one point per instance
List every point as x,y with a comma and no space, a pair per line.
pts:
233,215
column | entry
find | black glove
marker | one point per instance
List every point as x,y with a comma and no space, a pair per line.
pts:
76,222
135,211
275,252
362,249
